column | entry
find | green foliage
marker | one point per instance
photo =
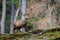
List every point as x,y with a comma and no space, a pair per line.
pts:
58,10
35,18
16,1
29,25
9,5
0,15
8,12
19,16
8,16
47,35
0,8
0,5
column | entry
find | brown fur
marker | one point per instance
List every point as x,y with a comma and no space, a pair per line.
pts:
19,24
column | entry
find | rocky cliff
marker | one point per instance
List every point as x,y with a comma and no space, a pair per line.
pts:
43,13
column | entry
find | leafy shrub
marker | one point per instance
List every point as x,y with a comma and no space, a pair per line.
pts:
29,26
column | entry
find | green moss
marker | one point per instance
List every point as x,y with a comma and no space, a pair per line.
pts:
47,35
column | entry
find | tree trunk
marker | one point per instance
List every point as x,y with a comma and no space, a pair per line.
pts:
16,15
23,10
3,16
12,18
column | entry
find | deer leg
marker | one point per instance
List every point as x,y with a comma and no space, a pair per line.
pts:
22,29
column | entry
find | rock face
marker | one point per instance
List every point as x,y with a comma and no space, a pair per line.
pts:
43,9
